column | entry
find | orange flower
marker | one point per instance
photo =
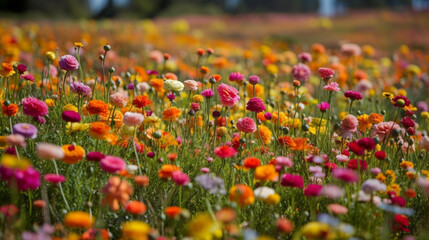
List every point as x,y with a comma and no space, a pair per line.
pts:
375,118
172,211
141,101
166,170
6,70
297,144
72,153
10,110
157,84
95,234
266,173
242,195
263,133
136,208
364,123
171,114
99,130
78,219
118,118
251,162
204,70
142,180
95,107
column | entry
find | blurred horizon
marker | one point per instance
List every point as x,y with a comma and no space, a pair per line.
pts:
138,9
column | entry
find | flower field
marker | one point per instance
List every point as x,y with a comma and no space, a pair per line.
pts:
116,130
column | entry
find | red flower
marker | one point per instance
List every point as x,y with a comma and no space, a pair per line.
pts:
225,152
408,122
353,164
381,155
400,201
400,223
367,143
405,101
356,148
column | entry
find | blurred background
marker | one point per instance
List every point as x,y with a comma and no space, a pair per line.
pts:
137,9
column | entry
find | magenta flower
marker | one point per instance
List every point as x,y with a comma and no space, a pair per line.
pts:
180,178
246,125
255,105
268,115
290,180
28,179
236,77
112,164
207,93
313,190
27,77
71,116
228,95
34,107
54,178
353,95
326,73
80,89
305,57
323,106
253,79
21,68
95,156
68,63
301,72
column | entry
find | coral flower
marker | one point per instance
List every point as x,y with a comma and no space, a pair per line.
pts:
96,107
383,129
242,195
332,86
325,73
173,211
171,114
228,95
10,110
99,130
297,144
136,207
117,193
246,125
191,85
141,101
255,105
118,100
78,219
54,178
112,164
251,162
225,151
72,153
95,234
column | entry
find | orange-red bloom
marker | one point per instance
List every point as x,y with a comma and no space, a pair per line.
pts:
95,107
171,114
141,101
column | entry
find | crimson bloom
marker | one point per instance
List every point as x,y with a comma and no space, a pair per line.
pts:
225,151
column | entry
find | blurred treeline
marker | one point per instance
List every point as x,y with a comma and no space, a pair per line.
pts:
78,9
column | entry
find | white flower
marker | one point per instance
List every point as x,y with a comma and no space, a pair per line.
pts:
173,85
262,193
132,168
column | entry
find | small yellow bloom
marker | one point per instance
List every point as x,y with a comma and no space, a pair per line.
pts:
70,107
78,44
273,199
136,230
50,56
50,102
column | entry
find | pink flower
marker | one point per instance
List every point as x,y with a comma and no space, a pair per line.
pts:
353,95
346,175
342,158
205,170
34,107
332,191
195,106
323,106
228,95
133,119
268,115
284,161
332,86
424,143
54,178
49,151
408,122
118,100
95,156
348,126
255,105
246,125
28,77
337,209
191,85
305,57
180,178
383,129
16,140
291,180
325,73
301,72
68,63
225,151
9,210
112,164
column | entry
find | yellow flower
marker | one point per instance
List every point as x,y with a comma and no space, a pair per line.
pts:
410,107
263,133
79,219
203,227
50,56
135,230
425,115
388,95
402,92
314,124
197,98
273,199
394,187
152,120
315,230
76,127
11,161
406,164
272,69
70,107
259,90
364,122
78,44
50,102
